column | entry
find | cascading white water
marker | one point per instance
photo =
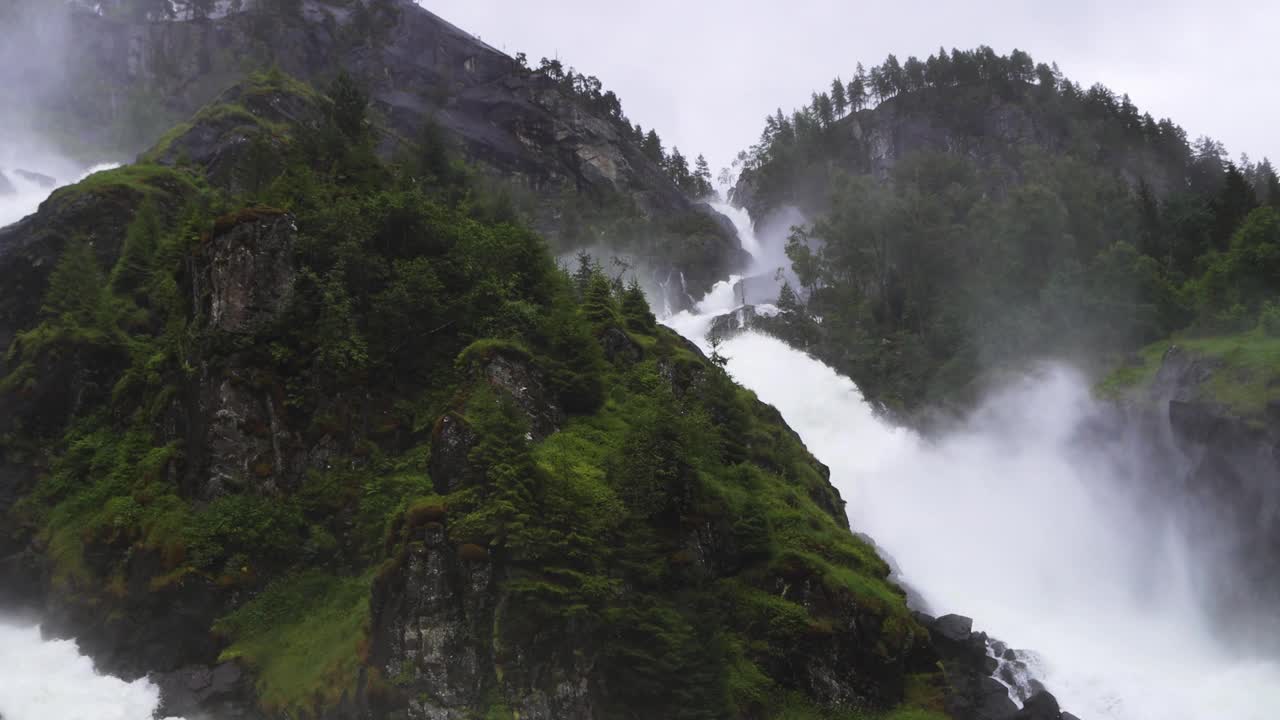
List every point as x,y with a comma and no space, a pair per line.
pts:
1012,519
51,680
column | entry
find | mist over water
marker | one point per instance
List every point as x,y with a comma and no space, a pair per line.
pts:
1028,518
51,680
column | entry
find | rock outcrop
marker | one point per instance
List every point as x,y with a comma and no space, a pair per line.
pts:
1223,470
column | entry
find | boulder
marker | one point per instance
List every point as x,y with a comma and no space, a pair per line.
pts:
201,689
956,628
1041,706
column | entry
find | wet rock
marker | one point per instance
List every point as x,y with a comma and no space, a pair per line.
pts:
249,271
729,324
1040,706
241,450
992,701
222,690
451,443
432,617
955,628
619,347
520,379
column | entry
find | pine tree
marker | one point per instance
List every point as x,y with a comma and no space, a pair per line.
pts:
137,254
824,111
77,288
857,92
678,170
635,309
652,147
702,177
597,304
350,103
838,98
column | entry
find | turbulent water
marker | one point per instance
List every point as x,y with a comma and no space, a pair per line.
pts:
51,680
1023,520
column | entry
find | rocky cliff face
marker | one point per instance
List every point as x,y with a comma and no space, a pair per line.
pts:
978,122
583,181
538,510
1226,474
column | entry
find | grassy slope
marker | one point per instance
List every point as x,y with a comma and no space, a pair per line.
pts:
1247,379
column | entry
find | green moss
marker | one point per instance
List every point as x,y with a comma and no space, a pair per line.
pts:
1136,373
142,179
306,637
1246,378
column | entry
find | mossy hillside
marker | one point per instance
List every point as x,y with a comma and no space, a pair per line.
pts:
266,103
131,182
406,288
1246,378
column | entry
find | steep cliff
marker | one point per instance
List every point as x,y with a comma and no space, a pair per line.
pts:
367,452
1207,406
572,168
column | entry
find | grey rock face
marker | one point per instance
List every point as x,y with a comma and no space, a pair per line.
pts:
520,125
250,273
525,385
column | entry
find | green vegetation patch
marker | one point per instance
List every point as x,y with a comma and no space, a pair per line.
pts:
1245,380
306,637
145,180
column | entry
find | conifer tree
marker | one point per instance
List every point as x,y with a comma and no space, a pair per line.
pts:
141,241
839,100
597,304
635,309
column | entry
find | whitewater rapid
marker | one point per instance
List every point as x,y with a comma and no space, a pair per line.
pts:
51,680
1017,520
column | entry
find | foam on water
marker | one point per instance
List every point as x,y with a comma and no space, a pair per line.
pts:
51,680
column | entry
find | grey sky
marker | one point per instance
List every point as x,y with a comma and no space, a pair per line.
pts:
705,72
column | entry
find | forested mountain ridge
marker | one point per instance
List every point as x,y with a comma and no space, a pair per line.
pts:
554,140
301,430
989,211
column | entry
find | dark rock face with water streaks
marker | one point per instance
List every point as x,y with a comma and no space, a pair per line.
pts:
577,167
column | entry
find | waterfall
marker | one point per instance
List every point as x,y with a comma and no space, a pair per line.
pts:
50,680
1023,520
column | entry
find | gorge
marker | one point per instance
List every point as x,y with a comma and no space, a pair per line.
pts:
300,417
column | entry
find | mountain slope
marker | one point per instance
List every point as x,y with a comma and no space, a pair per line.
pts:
569,161
365,451
989,212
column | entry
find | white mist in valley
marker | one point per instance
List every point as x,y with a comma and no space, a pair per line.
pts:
1023,518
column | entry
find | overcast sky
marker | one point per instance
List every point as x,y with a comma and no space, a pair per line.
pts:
705,72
